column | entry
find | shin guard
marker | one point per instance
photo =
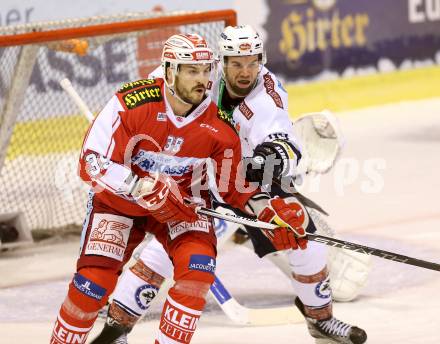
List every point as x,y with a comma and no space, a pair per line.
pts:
88,293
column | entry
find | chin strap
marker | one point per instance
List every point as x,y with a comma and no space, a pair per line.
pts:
170,86
174,92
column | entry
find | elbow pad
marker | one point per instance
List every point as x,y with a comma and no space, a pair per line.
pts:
112,176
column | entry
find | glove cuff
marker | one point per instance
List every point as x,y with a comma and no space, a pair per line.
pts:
257,203
145,186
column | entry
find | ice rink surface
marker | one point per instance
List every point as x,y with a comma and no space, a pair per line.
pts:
383,193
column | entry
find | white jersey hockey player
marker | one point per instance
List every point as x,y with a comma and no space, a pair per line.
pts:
255,102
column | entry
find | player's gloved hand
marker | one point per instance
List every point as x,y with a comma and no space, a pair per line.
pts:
163,198
291,219
275,159
259,163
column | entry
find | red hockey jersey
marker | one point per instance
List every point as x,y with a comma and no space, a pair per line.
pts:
137,133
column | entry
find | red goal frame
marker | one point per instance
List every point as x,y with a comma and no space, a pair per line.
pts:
229,16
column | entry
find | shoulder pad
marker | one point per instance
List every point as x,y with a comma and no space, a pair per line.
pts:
142,95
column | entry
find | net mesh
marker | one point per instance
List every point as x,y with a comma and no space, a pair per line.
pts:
82,22
41,130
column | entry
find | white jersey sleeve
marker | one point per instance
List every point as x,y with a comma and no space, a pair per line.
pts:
156,73
97,152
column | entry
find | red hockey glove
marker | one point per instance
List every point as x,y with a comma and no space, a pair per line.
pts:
163,198
291,218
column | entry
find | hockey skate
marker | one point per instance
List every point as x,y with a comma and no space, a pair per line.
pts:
332,330
114,334
121,340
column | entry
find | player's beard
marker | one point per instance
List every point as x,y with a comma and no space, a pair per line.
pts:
237,90
190,95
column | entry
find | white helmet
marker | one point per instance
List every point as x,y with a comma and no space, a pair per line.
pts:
184,49
241,41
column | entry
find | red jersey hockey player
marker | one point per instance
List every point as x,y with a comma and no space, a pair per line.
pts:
254,98
145,153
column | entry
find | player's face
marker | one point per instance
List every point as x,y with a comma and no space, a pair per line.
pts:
241,73
192,81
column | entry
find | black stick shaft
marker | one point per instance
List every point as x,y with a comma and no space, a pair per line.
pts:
329,241
373,251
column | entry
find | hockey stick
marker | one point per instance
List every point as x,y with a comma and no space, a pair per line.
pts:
70,90
234,310
252,316
249,221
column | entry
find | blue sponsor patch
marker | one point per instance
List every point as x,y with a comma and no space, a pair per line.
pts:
144,295
162,163
201,262
87,287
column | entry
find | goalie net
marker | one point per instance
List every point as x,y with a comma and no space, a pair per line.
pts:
41,130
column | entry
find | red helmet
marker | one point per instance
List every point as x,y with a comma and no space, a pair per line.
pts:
187,48
184,49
